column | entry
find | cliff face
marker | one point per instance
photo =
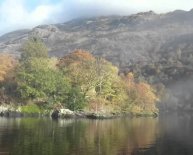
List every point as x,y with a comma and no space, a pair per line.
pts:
158,47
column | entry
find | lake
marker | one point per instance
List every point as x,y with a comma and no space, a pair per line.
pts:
166,135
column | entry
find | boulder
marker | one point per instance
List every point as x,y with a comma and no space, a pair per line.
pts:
62,113
55,114
66,113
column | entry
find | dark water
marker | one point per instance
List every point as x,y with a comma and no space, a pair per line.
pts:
171,135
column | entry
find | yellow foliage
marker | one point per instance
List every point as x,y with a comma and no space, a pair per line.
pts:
136,109
130,77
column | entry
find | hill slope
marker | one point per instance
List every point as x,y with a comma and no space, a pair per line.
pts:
158,47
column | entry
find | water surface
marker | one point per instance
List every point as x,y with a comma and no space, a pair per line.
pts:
171,135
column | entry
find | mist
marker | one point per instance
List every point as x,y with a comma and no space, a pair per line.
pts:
179,96
51,12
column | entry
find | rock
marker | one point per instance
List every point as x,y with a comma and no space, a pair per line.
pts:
9,111
66,113
4,110
62,113
80,114
55,114
101,115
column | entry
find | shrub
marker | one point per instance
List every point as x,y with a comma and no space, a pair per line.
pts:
30,109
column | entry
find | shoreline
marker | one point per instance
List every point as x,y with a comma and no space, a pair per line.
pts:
68,114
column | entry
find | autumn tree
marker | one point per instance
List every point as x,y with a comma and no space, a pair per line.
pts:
141,96
79,68
77,57
7,65
78,81
97,78
146,97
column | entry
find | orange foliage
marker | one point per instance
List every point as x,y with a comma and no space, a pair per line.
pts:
76,57
142,94
147,96
7,63
130,83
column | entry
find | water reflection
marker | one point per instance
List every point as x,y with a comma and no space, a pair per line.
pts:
175,136
121,136
76,137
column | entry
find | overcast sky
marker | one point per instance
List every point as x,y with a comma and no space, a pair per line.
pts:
21,14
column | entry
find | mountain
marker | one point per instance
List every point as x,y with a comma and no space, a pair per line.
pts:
157,47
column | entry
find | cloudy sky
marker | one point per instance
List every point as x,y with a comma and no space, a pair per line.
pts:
20,14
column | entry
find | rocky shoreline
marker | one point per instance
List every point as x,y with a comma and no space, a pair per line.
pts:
55,114
8,111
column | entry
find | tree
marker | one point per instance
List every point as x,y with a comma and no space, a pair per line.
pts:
38,77
78,65
76,100
34,47
7,65
97,78
77,57
40,80
146,97
141,96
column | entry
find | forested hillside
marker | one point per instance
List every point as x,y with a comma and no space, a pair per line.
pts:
157,48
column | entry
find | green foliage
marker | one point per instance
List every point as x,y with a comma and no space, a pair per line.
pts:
107,76
79,81
76,100
110,91
39,80
96,78
30,109
34,47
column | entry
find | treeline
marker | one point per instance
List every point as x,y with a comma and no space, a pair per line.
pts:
77,81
